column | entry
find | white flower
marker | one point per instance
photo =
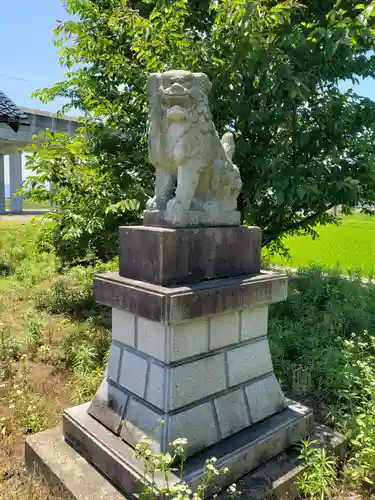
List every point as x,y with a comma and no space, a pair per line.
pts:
232,488
168,458
179,442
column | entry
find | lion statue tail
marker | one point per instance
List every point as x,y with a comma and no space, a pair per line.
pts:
227,141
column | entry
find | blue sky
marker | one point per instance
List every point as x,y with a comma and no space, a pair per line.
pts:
28,59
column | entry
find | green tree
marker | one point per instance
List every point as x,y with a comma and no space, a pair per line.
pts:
302,145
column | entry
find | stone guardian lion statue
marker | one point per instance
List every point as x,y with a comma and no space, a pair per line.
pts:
196,182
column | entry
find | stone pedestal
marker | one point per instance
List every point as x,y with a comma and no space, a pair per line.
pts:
189,346
196,357
169,256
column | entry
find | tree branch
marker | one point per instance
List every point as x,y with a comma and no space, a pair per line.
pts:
297,225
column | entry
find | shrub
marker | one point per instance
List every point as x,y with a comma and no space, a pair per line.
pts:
85,349
319,358
86,384
307,330
71,293
162,464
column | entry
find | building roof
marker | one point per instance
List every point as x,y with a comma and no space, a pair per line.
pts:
10,114
40,112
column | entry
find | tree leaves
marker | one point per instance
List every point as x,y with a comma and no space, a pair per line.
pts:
302,145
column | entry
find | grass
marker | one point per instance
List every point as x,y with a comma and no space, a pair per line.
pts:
350,246
54,342
29,205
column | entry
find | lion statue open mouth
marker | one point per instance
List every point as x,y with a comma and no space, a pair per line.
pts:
196,182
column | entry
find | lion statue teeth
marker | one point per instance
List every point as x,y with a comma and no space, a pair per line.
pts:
196,183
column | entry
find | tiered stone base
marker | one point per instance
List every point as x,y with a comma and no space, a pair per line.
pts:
185,358
74,478
241,452
189,346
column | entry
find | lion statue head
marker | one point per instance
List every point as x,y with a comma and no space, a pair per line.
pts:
178,107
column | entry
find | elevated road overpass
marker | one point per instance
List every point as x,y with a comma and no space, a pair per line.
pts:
18,125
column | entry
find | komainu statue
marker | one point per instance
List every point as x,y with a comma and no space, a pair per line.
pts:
196,182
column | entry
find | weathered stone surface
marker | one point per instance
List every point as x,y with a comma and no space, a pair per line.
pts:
241,452
48,455
156,386
108,406
140,421
175,342
192,219
123,327
133,373
151,337
277,477
232,412
197,425
254,322
165,256
65,470
203,349
184,147
187,339
178,304
99,446
113,363
224,329
173,386
249,361
193,381
129,295
265,397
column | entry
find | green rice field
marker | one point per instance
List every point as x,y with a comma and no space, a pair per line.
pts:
350,246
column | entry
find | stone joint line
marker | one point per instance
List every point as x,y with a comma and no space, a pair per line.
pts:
175,364
197,402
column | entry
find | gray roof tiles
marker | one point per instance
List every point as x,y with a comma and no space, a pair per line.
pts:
10,114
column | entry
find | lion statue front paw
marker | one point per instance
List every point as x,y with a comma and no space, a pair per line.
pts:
175,213
155,203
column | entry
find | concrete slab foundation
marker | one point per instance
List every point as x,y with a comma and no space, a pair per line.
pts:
47,454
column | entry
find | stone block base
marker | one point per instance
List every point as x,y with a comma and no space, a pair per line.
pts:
207,376
193,218
166,256
241,452
47,454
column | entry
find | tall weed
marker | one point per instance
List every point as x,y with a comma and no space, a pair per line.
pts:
320,360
